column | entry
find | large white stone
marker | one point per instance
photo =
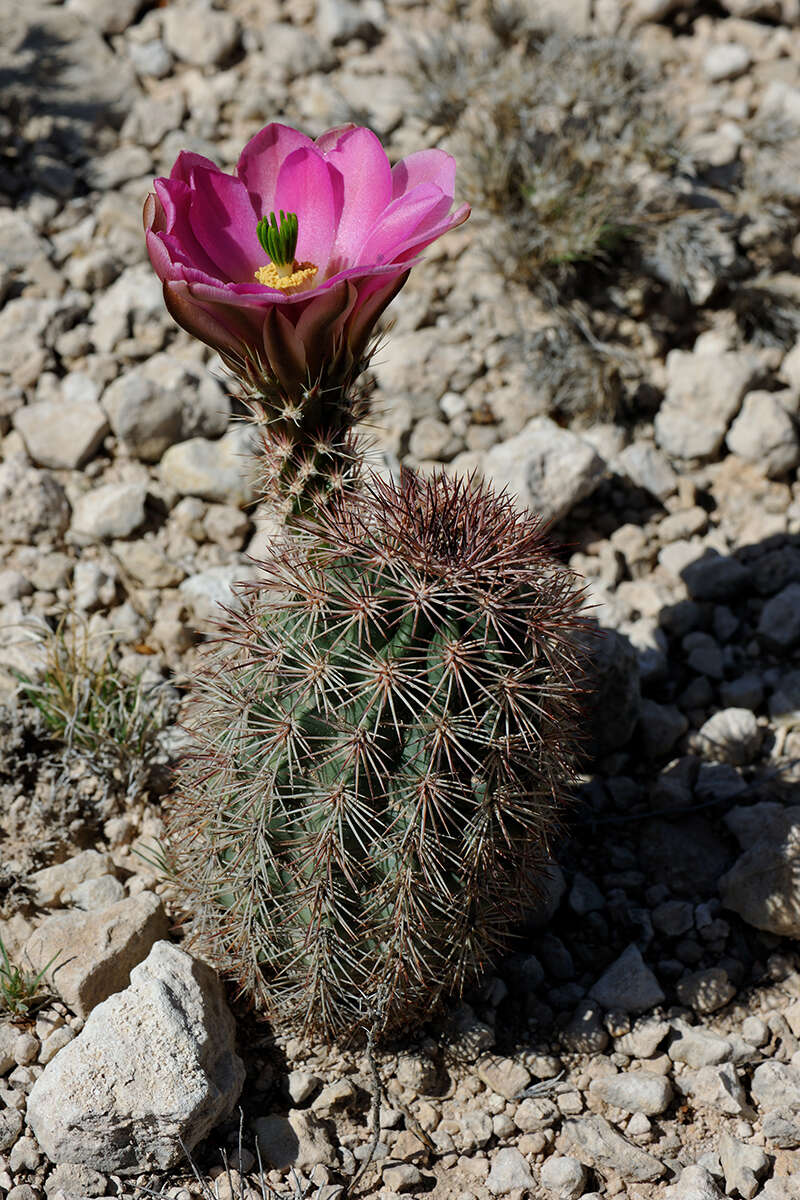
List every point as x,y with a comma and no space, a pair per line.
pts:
153,1070
763,886
62,433
113,510
704,392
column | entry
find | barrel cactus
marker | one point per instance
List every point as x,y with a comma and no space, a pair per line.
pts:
386,737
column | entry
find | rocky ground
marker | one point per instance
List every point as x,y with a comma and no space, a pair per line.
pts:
616,336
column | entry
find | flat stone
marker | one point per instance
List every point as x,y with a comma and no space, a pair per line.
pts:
731,735
509,1172
595,1143
764,434
504,1076
150,1075
703,394
51,883
743,1164
726,61
763,886
96,950
300,1140
628,984
114,510
718,1088
698,1047
549,469
776,1086
634,1091
647,468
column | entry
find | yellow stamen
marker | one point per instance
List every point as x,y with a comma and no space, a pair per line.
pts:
285,278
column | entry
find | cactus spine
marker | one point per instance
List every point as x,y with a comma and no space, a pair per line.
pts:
386,738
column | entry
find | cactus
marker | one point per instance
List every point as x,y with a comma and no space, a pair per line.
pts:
386,735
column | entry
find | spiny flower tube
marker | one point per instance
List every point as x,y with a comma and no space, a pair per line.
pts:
386,735
285,266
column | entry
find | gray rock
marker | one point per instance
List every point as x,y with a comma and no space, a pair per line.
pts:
586,1032
718,1088
152,1072
509,1172
62,433
300,1140
119,166
644,1039
585,896
209,590
401,1177
10,1128
548,468
695,1183
776,1087
339,21
613,702
779,623
647,467
97,893
204,42
504,1076
743,1164
698,1047
134,301
106,18
763,886
151,58
782,1131
728,60
634,1091
715,577
33,504
660,726
595,1143
51,883
628,984
95,951
706,991
212,470
72,1179
302,1085
114,510
764,434
703,394
673,917
732,735
20,244
563,1175
25,1156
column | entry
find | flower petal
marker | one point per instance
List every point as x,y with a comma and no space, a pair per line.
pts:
222,330
320,324
397,224
425,166
174,201
261,160
362,181
185,164
224,223
305,187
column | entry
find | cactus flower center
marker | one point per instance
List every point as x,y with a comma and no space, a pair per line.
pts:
278,238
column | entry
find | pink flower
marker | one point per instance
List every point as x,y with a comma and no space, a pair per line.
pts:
215,241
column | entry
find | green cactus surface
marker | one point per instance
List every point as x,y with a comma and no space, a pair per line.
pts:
386,739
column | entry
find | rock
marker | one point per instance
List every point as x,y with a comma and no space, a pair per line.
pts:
114,510
19,242
563,1175
698,1047
718,1088
51,883
715,577
585,896
660,725
613,701
595,1143
586,1033
673,917
706,991
209,590
206,41
763,886
776,1086
33,504
695,1183
152,1072
10,1128
298,1140
418,1073
72,1179
726,61
703,394
779,623
732,735
764,434
96,893
302,1085
644,1039
647,468
504,1076
212,470
54,1042
548,468
109,171
135,300
339,21
94,952
781,1130
634,1091
333,1098
401,1177
628,984
62,433
509,1172
743,1164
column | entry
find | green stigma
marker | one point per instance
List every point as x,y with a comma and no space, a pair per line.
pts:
278,238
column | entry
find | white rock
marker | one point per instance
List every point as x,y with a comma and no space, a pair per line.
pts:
695,1183
548,468
114,510
20,244
50,884
205,39
704,392
743,1165
33,504
300,1140
153,1070
764,433
596,1143
563,1175
732,735
763,886
726,61
509,1172
210,590
628,984
647,467
718,1088
212,470
634,1091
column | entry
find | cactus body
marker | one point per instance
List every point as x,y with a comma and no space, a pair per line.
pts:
386,739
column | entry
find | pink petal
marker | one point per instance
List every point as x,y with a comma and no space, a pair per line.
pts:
185,164
328,140
362,182
398,223
224,224
305,187
261,160
175,198
428,232
425,166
